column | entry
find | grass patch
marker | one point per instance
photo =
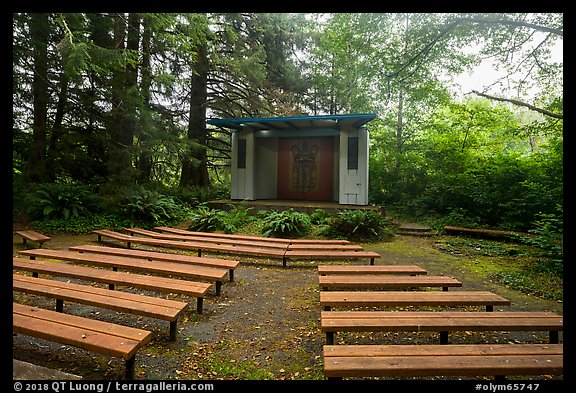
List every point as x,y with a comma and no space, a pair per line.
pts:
517,266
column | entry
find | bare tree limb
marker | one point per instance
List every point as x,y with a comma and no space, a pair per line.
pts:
520,103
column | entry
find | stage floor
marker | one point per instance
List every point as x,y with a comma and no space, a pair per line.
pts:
282,204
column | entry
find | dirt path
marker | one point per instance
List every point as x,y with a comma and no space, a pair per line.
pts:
265,325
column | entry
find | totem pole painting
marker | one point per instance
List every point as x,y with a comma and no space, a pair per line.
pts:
305,168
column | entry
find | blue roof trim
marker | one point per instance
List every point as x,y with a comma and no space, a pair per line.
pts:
292,121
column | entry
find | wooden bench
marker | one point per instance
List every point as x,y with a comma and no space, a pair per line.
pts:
438,321
96,336
148,306
253,242
153,283
202,239
370,281
188,245
472,360
255,250
342,255
33,236
170,268
161,256
179,231
411,270
411,298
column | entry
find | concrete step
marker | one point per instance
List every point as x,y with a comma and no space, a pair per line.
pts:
411,229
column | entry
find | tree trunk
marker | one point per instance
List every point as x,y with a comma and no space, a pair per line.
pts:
399,133
35,169
144,166
195,163
123,122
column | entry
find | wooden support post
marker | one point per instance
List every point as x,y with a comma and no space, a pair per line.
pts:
330,338
59,305
199,305
130,366
443,337
173,330
218,288
554,336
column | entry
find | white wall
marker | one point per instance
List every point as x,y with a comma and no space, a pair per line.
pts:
354,182
265,167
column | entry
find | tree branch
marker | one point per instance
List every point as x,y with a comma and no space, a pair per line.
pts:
520,103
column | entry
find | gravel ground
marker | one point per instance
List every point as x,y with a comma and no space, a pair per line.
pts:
264,325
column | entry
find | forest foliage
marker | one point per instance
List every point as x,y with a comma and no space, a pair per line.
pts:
114,106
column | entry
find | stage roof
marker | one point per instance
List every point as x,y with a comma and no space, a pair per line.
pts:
295,122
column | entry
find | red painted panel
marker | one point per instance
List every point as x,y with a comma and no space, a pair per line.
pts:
305,168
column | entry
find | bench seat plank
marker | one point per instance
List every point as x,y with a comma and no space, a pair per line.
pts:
161,267
437,321
148,306
96,336
257,251
160,256
247,237
472,360
33,236
411,298
327,247
342,255
132,303
368,281
204,239
162,284
371,269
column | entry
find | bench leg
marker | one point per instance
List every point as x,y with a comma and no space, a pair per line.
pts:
325,308
284,260
444,289
59,305
99,238
231,274
34,274
199,252
330,338
371,261
218,288
130,366
554,336
199,304
173,330
111,287
489,308
443,337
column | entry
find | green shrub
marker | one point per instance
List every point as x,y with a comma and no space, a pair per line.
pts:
287,223
234,219
62,201
320,217
359,225
205,219
147,206
549,229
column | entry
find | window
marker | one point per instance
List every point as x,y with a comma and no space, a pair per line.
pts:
353,153
241,162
